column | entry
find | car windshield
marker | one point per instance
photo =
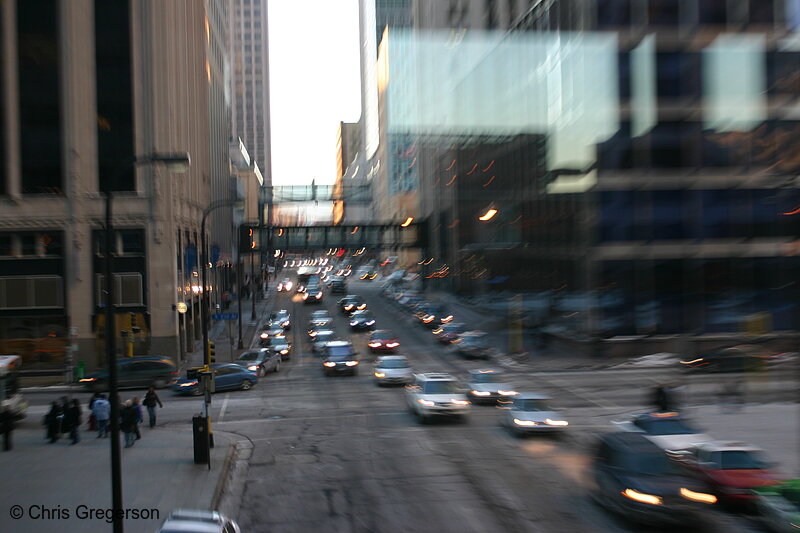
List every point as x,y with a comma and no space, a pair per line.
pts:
737,460
324,336
532,405
340,351
382,335
394,363
340,357
453,328
249,356
440,387
664,427
362,314
489,377
652,464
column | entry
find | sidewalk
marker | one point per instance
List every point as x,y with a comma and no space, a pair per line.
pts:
550,358
158,475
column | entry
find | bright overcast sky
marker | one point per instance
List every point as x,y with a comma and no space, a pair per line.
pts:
314,84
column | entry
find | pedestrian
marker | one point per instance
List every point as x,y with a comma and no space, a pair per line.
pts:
101,409
128,417
92,419
7,427
660,398
64,406
150,401
139,417
72,420
52,421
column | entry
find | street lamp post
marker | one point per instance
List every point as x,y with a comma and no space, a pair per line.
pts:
175,163
204,310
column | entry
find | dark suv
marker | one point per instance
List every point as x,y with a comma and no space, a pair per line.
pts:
136,372
634,477
339,358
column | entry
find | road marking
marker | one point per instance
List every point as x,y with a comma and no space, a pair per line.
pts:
224,406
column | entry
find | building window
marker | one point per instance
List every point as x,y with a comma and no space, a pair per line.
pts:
127,289
31,292
132,241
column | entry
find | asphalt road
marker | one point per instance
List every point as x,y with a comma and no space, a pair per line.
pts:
341,454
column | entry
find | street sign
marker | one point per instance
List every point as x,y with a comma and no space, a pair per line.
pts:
225,316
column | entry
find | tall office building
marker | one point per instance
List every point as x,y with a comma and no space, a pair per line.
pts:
249,42
87,87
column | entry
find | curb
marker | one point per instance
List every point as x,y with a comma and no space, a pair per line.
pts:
227,497
223,475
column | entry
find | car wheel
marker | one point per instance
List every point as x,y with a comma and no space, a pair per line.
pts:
246,384
277,366
159,383
197,391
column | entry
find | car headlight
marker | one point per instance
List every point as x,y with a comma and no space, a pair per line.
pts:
286,324
380,375
329,364
188,384
348,307
437,331
507,392
351,363
459,402
312,334
428,319
305,296
264,335
252,368
86,380
284,352
319,295
426,403
362,307
641,497
480,393
447,319
560,423
526,423
288,286
353,323
370,322
374,344
393,345
701,497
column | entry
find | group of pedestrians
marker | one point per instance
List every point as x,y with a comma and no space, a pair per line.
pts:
65,417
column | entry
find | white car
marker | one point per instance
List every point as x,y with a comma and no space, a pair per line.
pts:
435,394
530,412
392,369
669,431
489,386
198,521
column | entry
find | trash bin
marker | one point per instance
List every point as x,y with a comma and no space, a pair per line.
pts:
80,371
200,436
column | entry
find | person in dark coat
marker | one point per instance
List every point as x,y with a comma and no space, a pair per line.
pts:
72,420
128,417
661,399
151,399
52,420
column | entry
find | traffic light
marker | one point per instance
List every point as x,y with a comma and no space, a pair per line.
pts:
212,352
134,325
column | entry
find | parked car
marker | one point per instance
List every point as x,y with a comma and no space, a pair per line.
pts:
390,369
730,469
140,371
260,361
448,333
634,478
474,345
530,412
198,521
779,505
436,394
227,376
383,341
738,358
